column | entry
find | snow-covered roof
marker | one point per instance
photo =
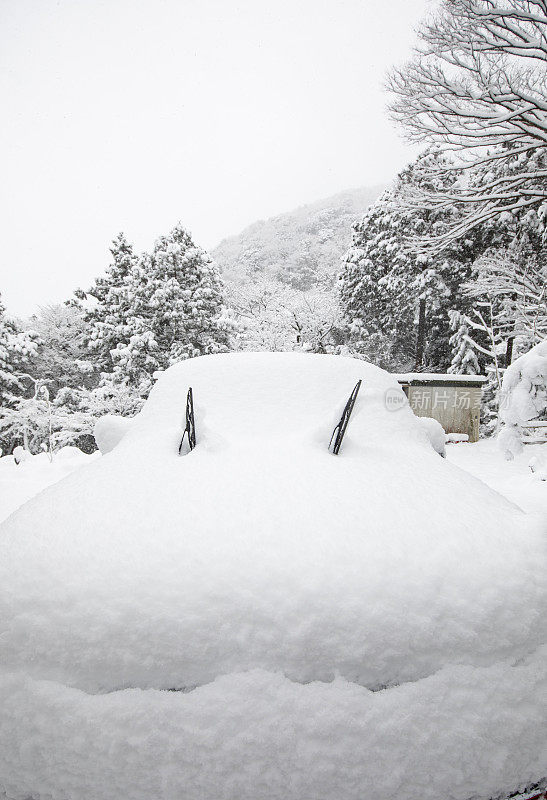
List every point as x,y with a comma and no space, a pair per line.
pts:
275,584
434,377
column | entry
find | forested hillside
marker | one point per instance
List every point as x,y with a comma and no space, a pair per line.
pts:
298,246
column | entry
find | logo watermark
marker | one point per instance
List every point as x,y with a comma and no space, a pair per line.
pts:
394,399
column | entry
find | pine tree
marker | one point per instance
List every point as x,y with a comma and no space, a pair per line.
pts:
186,299
464,361
389,290
9,384
16,347
369,305
176,299
110,319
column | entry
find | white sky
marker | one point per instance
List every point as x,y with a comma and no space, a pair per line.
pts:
132,114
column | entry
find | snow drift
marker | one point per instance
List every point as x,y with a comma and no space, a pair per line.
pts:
279,588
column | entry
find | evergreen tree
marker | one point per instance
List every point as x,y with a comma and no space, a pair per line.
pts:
9,384
16,347
390,290
186,298
110,318
464,360
368,303
176,299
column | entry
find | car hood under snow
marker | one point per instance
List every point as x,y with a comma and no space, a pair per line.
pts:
279,587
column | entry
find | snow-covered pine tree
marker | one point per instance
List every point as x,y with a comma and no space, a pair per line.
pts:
369,305
177,309
9,384
464,360
16,347
110,317
186,299
388,290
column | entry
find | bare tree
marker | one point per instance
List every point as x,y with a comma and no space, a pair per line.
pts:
477,86
520,287
274,316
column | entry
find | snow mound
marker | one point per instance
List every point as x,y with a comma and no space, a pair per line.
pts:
538,465
20,455
435,433
109,431
259,553
20,482
456,438
68,453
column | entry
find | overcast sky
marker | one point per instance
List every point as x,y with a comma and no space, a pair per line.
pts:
132,114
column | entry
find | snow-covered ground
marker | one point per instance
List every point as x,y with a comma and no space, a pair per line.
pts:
365,626
513,479
20,482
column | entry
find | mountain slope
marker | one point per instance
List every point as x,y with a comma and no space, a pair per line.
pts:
297,247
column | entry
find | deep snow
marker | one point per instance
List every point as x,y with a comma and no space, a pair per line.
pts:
513,479
20,482
284,583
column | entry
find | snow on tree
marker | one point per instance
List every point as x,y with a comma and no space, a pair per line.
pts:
15,347
185,298
479,342
177,309
517,278
8,381
508,313
43,422
275,317
62,357
367,304
464,361
33,421
109,317
155,309
395,294
476,86
523,397
296,247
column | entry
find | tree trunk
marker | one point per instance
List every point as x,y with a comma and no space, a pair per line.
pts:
420,341
509,351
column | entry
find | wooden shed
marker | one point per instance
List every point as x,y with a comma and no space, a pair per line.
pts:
453,400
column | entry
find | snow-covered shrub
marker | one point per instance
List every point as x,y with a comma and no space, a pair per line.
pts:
523,397
69,418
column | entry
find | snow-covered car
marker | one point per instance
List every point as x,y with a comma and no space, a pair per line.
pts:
260,619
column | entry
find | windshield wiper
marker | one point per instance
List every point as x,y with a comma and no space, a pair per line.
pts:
190,428
339,431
